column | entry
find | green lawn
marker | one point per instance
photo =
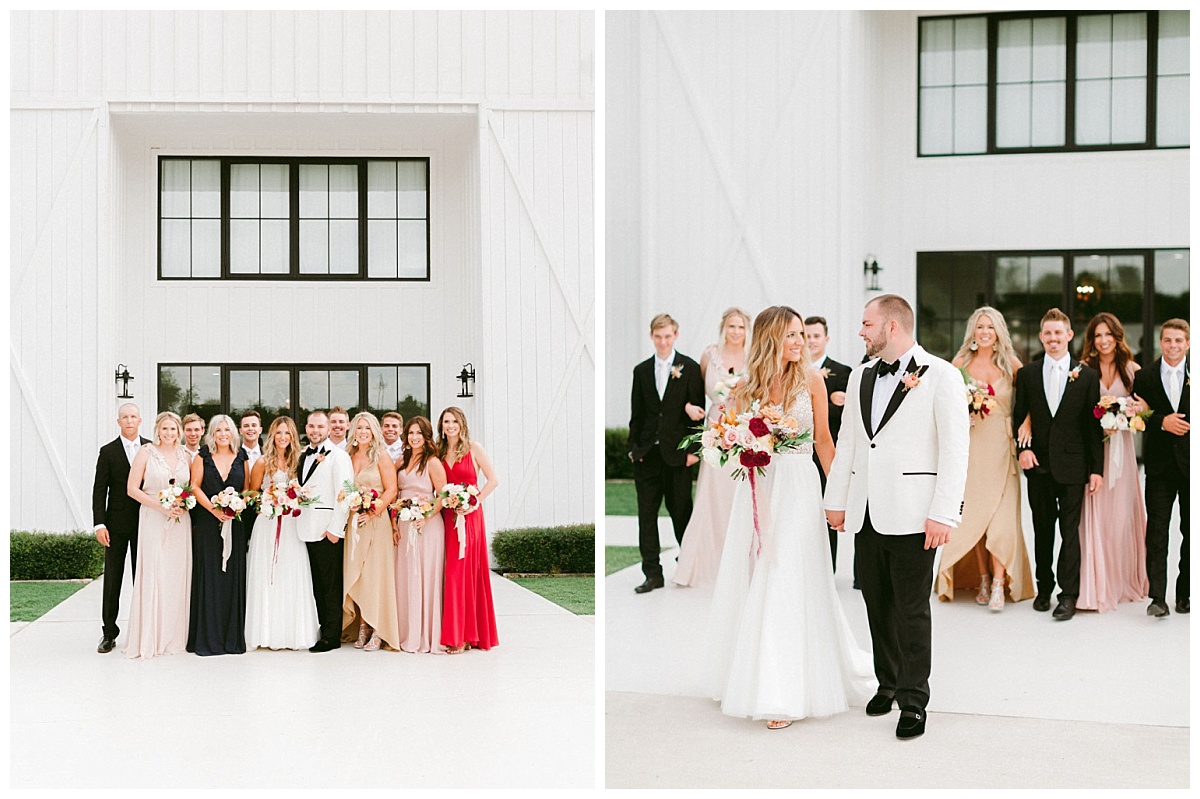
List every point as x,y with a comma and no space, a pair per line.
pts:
620,498
617,558
576,594
32,600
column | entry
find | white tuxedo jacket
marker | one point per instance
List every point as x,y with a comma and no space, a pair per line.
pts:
915,465
325,483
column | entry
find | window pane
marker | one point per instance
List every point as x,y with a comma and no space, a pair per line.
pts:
243,190
314,247
275,252
1173,41
1092,112
314,391
1013,51
412,388
970,50
266,391
1174,109
274,182
1129,45
1050,48
176,243
1045,285
970,119
343,247
1012,115
174,384
243,246
1172,289
206,248
1049,114
937,52
412,181
381,389
206,189
1093,51
314,191
343,191
937,131
413,249
176,187
205,396
1128,110
381,189
381,248
343,389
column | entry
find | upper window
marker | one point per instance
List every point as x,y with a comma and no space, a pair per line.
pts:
1053,81
294,219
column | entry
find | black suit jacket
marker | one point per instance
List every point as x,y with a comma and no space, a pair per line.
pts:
111,505
838,379
1161,449
665,421
1069,444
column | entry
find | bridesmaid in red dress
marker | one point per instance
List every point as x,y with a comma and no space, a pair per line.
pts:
468,618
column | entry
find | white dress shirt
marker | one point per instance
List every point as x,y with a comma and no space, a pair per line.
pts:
1173,379
345,442
1054,379
131,447
396,451
191,453
819,365
662,372
885,386
252,454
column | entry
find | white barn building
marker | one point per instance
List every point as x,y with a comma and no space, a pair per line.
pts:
1023,160
192,191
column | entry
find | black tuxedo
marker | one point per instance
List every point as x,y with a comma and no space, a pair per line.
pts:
836,380
1069,446
112,507
656,426
1167,471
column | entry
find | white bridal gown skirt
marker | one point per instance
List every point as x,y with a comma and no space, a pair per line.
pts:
281,612
781,645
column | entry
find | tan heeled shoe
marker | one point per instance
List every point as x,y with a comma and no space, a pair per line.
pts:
362,636
373,644
778,725
997,600
985,589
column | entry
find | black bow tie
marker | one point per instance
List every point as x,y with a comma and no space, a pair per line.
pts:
886,368
312,451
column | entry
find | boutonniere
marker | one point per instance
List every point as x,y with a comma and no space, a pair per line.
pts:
320,456
913,379
676,371
825,373
1074,373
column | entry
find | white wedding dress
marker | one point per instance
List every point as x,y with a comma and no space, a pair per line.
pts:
782,647
281,612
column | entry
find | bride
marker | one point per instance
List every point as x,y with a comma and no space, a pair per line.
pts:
783,650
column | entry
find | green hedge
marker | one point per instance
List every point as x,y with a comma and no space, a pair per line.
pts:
38,555
617,465
547,550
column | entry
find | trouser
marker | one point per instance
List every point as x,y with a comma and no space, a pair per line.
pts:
1161,491
114,573
325,562
1050,501
655,481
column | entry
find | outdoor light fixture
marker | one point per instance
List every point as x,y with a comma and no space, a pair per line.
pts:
871,267
123,377
467,376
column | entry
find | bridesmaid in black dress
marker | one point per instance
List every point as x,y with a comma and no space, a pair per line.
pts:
218,613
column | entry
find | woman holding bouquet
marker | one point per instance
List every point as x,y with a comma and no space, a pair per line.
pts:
782,649
1112,529
987,551
369,576
281,612
722,366
421,544
218,618
158,614
468,618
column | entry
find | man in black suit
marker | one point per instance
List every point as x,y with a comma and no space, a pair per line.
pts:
1065,458
663,388
837,375
115,515
1165,387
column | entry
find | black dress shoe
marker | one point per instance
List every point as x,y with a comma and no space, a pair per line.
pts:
106,644
911,724
880,705
1065,609
648,586
1158,609
1041,602
324,646
1183,606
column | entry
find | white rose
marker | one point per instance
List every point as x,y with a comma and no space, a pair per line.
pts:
1108,421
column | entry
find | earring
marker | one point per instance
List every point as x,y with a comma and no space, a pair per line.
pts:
974,346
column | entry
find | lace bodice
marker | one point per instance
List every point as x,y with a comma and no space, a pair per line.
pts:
801,409
280,476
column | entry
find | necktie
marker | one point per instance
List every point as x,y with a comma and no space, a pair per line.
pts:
1175,390
660,377
886,368
1054,392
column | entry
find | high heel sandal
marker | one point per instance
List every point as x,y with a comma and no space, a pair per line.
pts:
362,636
997,600
373,644
779,725
985,589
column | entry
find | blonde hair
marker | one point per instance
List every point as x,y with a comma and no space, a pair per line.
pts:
663,320
464,438
1002,353
291,462
734,311
168,416
765,363
376,445
211,443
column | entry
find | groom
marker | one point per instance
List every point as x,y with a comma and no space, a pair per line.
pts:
323,469
897,481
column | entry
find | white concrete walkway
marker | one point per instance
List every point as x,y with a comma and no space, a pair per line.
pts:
1018,700
520,715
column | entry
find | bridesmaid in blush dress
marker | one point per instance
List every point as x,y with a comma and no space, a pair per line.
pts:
1112,530
468,618
722,366
420,545
158,615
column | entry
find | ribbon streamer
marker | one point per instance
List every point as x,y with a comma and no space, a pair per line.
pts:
756,544
226,542
460,525
275,555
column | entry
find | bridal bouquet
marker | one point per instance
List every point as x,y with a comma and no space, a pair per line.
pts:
177,496
285,499
750,437
461,499
357,500
981,397
1121,413
231,501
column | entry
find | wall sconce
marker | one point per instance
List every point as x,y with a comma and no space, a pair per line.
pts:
467,376
123,377
872,268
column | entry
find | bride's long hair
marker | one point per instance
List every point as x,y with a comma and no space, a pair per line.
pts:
765,363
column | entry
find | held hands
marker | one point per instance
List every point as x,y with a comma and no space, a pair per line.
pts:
220,514
838,398
1095,481
330,537
102,536
1027,459
836,519
694,412
936,534
174,513
692,460
1175,424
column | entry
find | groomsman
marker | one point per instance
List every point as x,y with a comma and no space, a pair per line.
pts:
193,431
1166,388
250,427
115,516
1065,459
339,423
837,375
663,385
392,423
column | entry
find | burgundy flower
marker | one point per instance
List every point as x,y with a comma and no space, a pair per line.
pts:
291,493
171,481
991,391
758,427
1098,411
295,512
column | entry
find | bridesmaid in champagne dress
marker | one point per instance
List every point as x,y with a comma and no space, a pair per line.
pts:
420,546
1112,530
988,548
369,575
158,616
722,367
468,618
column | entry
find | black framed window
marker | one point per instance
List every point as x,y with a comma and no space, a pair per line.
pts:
1054,81
293,390
1143,288
293,218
